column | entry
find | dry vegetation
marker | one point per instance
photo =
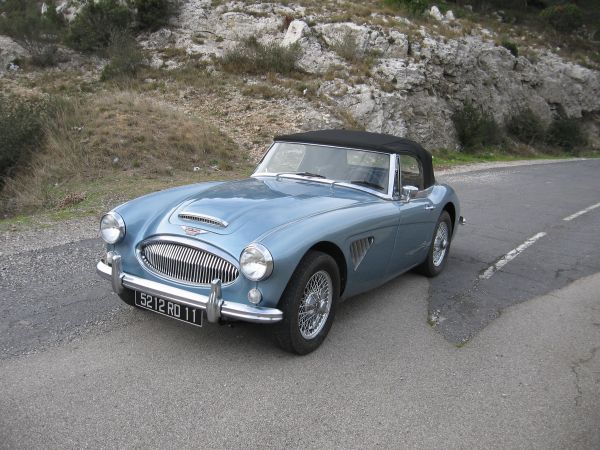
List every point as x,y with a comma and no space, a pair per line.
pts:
118,132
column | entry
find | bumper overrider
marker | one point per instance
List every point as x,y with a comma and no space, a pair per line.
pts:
214,305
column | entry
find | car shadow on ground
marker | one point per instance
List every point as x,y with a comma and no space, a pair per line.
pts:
391,304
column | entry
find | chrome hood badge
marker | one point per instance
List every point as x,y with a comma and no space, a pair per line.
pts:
191,231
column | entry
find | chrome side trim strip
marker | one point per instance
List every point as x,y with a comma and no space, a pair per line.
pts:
229,309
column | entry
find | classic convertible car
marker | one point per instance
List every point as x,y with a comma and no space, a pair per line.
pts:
326,215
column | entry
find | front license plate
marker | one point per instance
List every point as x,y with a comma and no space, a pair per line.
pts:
168,308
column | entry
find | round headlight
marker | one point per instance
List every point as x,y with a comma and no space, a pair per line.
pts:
112,228
256,262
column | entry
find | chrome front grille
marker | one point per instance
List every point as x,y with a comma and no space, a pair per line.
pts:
187,264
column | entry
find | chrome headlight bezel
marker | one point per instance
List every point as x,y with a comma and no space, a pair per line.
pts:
258,255
114,224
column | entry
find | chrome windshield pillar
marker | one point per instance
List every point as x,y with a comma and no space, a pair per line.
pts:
215,302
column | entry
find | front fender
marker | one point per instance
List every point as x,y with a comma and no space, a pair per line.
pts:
290,243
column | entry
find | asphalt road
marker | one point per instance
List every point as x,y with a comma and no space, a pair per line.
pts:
80,369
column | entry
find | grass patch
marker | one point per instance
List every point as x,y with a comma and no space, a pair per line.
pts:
511,47
126,58
21,131
264,91
444,158
527,127
567,134
110,190
92,28
118,133
414,7
251,56
153,14
38,33
476,129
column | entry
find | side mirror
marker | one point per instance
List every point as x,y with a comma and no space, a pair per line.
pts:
408,193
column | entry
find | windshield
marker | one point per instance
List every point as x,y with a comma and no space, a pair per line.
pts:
358,167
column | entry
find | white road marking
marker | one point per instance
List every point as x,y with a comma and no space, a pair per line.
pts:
510,256
581,213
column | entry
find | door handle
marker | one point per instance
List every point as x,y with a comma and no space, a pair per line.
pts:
430,208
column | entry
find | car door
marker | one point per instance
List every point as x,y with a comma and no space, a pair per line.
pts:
417,216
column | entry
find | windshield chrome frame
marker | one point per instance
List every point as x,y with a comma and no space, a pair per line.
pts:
391,173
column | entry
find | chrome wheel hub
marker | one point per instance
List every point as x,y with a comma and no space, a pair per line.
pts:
315,304
440,243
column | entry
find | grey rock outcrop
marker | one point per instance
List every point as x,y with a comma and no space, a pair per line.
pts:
418,78
426,91
10,52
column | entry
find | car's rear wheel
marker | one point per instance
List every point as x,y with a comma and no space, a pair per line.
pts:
440,247
308,304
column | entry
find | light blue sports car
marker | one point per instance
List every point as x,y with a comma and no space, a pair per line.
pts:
326,215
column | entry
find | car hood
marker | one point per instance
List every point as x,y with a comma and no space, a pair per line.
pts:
257,205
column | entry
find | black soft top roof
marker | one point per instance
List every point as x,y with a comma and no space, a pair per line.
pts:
385,143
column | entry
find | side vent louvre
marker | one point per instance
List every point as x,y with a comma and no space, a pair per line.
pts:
359,248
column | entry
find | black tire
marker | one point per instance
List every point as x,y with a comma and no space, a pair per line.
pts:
432,267
128,296
287,333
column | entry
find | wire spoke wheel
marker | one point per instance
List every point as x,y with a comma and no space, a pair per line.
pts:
315,304
440,244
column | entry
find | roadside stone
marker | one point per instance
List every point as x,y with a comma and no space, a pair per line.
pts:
436,13
296,31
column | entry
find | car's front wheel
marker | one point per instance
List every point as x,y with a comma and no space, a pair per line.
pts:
440,247
308,304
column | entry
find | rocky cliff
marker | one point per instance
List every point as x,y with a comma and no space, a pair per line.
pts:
375,69
417,75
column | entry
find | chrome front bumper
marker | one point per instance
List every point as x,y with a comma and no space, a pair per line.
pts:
213,304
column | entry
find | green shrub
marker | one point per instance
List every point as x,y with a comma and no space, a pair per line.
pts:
45,56
526,126
563,18
21,132
126,58
96,22
511,47
567,134
347,48
250,56
476,129
38,33
413,6
153,14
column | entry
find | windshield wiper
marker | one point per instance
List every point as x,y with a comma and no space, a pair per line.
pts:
302,174
309,174
367,184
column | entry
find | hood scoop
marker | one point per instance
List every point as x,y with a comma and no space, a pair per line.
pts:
203,218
